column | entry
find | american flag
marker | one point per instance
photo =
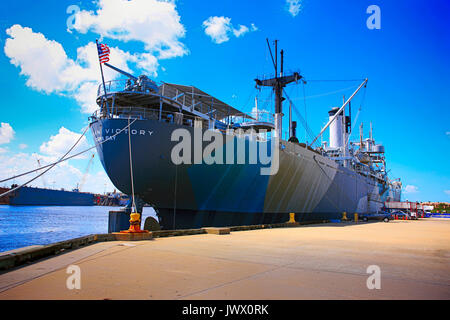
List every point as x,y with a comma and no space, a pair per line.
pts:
103,52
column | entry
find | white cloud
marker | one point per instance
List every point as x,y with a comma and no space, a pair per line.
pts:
23,146
43,61
86,93
219,29
294,7
60,143
259,110
448,134
447,192
241,31
49,69
17,163
98,182
154,23
411,189
6,133
64,175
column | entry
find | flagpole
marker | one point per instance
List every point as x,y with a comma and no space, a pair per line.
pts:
103,78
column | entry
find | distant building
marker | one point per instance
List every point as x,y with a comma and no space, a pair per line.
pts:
438,206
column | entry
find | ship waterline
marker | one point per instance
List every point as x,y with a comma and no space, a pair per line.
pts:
34,196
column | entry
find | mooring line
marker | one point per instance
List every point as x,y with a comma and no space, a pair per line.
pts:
48,169
62,159
131,166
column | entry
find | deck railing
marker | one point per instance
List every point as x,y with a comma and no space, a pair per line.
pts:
187,99
190,102
141,113
122,85
256,116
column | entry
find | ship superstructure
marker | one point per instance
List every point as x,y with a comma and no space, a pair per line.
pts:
221,186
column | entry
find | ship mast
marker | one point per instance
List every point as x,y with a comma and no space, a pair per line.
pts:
278,83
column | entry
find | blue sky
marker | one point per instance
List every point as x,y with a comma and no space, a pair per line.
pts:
406,61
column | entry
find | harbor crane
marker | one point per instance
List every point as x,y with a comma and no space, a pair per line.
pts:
83,178
44,183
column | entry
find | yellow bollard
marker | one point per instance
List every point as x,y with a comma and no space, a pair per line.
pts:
344,216
291,218
135,221
356,217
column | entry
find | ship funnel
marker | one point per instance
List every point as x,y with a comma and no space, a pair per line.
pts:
336,129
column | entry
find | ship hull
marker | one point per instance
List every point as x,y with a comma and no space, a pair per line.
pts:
196,195
30,196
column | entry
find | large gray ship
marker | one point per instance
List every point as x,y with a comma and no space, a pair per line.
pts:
157,158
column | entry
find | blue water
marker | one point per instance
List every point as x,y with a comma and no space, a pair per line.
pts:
22,226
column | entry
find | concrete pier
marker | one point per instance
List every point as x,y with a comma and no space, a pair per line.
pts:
323,261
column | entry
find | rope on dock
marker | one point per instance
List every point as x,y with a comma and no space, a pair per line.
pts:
62,159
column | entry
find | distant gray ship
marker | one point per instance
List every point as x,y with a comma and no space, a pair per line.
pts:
315,184
34,196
